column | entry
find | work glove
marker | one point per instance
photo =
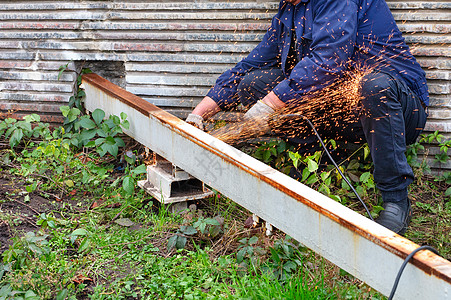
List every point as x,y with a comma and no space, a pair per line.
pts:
195,120
254,124
259,115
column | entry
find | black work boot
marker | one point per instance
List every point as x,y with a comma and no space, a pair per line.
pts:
395,217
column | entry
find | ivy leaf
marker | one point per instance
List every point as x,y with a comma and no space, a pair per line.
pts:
188,230
110,140
76,233
99,141
312,165
87,123
62,294
87,135
113,150
126,124
312,179
119,142
448,192
171,242
305,174
128,185
325,175
102,150
84,245
334,144
212,222
274,255
70,113
240,255
202,226
354,176
102,133
32,118
214,231
79,231
16,137
295,158
289,266
140,169
366,152
266,156
336,198
353,165
365,177
98,115
180,242
253,240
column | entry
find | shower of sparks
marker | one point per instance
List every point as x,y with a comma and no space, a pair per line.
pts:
325,108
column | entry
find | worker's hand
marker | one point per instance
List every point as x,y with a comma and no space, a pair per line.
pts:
195,120
273,101
258,115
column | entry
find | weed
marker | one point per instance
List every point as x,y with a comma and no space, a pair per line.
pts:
249,252
204,228
286,258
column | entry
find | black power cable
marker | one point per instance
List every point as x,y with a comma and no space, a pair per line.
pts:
293,116
409,257
398,277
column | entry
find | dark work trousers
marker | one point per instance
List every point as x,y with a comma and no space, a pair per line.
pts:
390,117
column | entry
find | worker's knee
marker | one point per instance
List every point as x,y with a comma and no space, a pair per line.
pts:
257,84
246,91
378,90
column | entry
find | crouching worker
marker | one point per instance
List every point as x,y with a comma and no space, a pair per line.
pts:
312,43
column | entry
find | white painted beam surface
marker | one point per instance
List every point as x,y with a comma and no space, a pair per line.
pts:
363,248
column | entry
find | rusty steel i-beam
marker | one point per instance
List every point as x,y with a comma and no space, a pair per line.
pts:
354,243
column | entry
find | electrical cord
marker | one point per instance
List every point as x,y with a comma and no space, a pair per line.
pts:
409,257
291,116
398,277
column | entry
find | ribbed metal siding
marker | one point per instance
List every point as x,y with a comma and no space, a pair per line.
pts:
427,27
173,52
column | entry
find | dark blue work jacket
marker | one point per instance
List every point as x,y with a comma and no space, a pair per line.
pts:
332,36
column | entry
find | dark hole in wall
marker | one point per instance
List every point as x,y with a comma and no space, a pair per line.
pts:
113,71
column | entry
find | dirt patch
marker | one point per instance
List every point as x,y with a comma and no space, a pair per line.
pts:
19,211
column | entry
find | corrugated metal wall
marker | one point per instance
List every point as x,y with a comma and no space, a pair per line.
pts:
172,52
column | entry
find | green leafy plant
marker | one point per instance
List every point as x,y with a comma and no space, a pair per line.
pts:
248,251
46,221
75,106
274,153
208,226
205,228
129,181
26,248
96,132
24,130
179,239
83,237
105,132
285,259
